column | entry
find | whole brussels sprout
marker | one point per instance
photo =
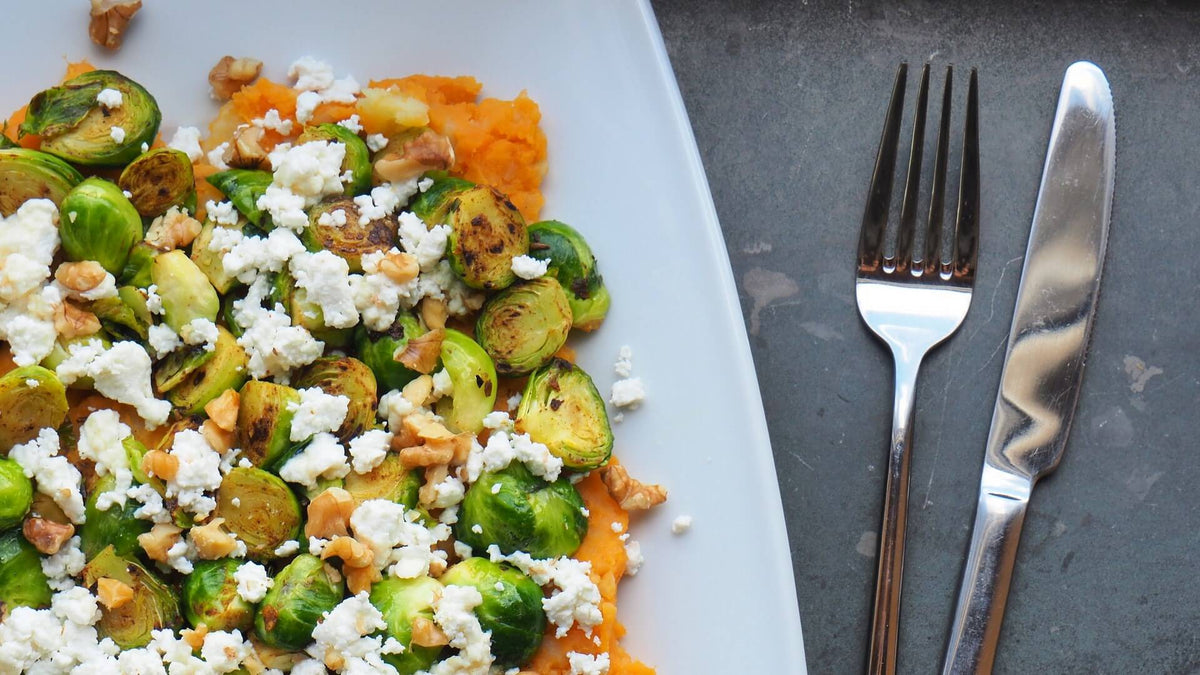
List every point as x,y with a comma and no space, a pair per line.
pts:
75,126
243,187
158,180
432,204
349,240
29,174
116,527
378,349
474,378
31,398
525,513
511,610
390,480
259,508
154,605
265,422
124,317
22,582
138,266
562,409
210,597
211,262
349,377
98,223
302,592
16,494
185,291
486,233
523,326
401,601
226,369
357,160
574,265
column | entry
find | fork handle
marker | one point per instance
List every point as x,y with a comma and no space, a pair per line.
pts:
885,622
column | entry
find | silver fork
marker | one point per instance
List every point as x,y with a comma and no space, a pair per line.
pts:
913,302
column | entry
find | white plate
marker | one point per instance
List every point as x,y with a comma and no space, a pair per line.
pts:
624,169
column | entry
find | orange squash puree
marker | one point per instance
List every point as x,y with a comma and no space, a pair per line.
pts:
74,69
603,548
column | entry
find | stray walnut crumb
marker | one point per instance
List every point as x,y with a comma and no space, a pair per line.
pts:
80,277
422,352
230,75
246,150
426,633
110,18
113,593
71,321
174,229
329,514
47,536
630,493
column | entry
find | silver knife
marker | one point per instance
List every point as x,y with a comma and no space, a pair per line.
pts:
1043,367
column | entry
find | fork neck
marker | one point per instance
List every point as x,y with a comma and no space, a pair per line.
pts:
907,364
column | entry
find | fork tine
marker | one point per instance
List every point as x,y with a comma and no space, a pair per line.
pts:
879,197
932,261
966,226
912,184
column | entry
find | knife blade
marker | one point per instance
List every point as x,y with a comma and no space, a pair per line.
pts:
1044,363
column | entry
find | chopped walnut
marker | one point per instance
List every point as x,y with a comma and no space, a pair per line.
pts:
418,390
211,541
433,476
223,410
245,151
427,428
425,455
352,552
80,276
160,464
230,75
159,540
194,636
422,352
359,579
427,151
70,321
426,633
110,18
434,312
220,439
630,493
174,229
329,514
47,536
113,593
400,267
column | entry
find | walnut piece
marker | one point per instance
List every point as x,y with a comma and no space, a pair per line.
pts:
246,150
418,390
160,464
630,493
433,476
159,540
422,352
113,593
219,439
230,75
427,428
426,633
211,541
70,321
400,267
110,18
434,312
359,579
47,536
223,410
80,276
427,151
425,455
194,636
329,514
352,552
174,229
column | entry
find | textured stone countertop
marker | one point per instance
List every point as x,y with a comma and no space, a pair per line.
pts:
787,100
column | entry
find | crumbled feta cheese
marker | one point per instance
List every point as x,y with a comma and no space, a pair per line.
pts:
121,372
62,566
153,300
326,279
624,365
311,74
107,288
617,527
53,474
28,242
447,493
180,557
496,488
216,157
306,104
681,524
504,447
428,244
200,332
315,412
352,123
287,548
477,528
334,218
316,545
376,142
345,637
513,401
198,475
111,99
462,550
575,599
247,258
224,651
101,439
528,267
454,613
187,141
628,393
587,664
61,639
163,340
498,419
634,558
274,122
369,450
442,384
273,344
253,582
151,501
303,174
323,457
223,213
396,539
117,134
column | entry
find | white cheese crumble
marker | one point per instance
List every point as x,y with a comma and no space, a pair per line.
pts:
200,332
634,558
287,548
587,664
117,134
397,540
151,501
101,439
376,142
61,567
326,279
334,218
442,384
628,393
316,412
199,473
311,74
575,599
163,340
271,120
322,458
352,123
121,372
504,447
253,582
28,242
223,213
315,80
369,450
513,401
454,613
273,344
187,141
61,639
528,267
154,300
107,288
681,524
348,636
624,365
216,157
303,174
111,99
54,474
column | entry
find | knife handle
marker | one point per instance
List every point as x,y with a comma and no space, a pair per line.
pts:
986,578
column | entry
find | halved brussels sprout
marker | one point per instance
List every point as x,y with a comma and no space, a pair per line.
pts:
98,223
124,317
29,174
22,582
378,350
302,592
16,494
350,240
211,262
158,180
31,399
486,233
475,385
511,610
185,291
243,187
518,511
349,377
74,126
264,421
210,597
432,204
562,409
174,368
358,157
154,605
401,601
260,509
523,326
390,480
139,265
116,526
225,370
574,265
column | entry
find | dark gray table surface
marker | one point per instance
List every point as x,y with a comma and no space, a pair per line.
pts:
786,100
